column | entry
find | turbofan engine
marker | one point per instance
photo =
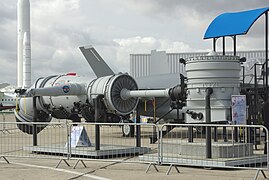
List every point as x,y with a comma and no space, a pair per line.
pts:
69,96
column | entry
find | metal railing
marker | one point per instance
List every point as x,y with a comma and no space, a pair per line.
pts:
78,141
113,145
5,117
19,144
232,146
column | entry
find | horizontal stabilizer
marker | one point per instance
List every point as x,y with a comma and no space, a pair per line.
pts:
96,62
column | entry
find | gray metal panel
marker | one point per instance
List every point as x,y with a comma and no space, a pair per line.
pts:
158,63
158,81
96,62
138,70
175,65
139,65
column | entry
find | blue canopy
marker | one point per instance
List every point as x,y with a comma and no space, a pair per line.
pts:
230,24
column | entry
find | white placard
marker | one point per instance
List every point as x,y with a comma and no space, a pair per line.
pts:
239,109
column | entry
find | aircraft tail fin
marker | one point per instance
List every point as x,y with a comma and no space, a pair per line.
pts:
96,62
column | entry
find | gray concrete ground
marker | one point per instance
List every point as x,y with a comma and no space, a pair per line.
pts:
44,169
34,168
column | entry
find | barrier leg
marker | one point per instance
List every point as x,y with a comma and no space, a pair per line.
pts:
5,131
78,162
63,161
257,174
4,159
151,164
170,167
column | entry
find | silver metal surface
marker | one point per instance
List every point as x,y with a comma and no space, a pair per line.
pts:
222,74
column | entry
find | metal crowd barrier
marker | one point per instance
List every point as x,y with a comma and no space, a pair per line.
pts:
5,117
107,143
65,141
19,144
221,146
203,145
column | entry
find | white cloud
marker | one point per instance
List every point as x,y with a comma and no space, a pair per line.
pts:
135,45
140,44
115,28
51,7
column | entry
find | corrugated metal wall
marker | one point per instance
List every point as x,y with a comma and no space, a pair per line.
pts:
139,63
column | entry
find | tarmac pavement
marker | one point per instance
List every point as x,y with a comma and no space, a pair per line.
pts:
32,169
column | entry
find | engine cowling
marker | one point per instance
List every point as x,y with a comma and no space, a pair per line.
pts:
67,97
25,114
62,106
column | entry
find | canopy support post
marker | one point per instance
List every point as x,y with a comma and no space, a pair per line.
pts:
266,55
223,45
214,44
234,38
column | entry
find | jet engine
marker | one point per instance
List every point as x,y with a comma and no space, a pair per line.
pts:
68,96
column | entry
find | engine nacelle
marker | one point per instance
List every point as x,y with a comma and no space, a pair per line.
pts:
25,114
66,97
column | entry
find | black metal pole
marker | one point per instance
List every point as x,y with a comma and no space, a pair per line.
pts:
266,73
266,55
190,134
209,91
214,44
224,132
223,45
234,38
215,134
236,134
255,94
243,76
138,128
34,121
250,135
97,126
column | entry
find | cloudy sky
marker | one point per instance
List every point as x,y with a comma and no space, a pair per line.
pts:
116,28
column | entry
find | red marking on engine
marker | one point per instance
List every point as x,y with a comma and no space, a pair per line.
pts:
71,74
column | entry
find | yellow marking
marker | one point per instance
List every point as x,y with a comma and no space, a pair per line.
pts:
17,108
24,100
145,105
240,131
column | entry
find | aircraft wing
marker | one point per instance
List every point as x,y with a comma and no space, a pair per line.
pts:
96,62
3,85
